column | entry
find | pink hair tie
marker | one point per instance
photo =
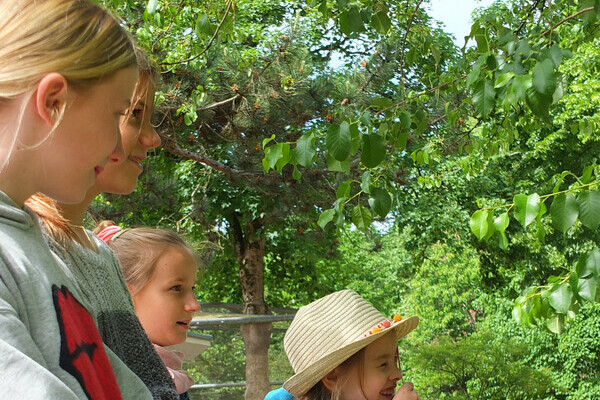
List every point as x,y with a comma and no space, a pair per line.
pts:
110,233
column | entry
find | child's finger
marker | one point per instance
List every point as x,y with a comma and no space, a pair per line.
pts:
406,392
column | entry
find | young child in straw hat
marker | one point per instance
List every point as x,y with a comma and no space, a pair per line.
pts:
342,348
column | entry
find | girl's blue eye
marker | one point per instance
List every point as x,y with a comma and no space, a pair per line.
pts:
176,288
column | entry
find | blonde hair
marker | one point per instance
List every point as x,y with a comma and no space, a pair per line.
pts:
138,251
75,38
46,208
320,392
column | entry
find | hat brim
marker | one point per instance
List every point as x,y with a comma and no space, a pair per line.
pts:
302,381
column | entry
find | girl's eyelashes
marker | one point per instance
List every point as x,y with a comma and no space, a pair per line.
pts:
176,288
137,113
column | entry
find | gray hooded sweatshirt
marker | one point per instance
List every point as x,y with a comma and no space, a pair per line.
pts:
50,347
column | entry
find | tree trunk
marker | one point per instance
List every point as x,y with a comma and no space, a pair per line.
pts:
250,251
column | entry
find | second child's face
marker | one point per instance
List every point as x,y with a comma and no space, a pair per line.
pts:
138,136
379,374
166,304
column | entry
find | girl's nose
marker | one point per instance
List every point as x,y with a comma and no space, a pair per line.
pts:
118,154
148,137
396,374
192,305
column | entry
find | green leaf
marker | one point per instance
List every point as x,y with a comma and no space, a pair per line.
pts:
538,103
152,6
351,21
556,323
361,218
587,288
267,140
501,222
305,150
273,154
344,189
365,183
526,208
435,52
324,9
502,241
519,86
586,176
589,209
354,138
203,26
481,38
373,150
296,173
503,79
519,313
338,166
285,157
338,141
588,264
556,55
326,217
483,98
564,211
405,121
381,102
473,76
544,79
381,22
380,202
479,223
560,298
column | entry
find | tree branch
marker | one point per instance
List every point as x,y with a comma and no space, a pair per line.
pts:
578,13
527,17
210,42
220,103
163,33
173,148
412,17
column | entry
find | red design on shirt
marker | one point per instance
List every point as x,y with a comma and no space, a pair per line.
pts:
82,350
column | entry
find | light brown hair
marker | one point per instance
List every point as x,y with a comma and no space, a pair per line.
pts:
138,251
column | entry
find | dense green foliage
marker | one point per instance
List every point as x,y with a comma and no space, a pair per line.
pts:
369,152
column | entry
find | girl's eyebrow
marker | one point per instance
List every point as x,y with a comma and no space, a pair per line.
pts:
384,356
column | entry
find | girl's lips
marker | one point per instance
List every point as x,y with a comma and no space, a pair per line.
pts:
98,169
184,324
388,392
137,160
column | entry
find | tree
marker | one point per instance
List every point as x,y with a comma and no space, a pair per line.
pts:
264,134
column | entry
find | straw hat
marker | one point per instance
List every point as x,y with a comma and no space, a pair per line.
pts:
330,330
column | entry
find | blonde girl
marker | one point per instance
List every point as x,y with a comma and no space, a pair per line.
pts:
92,262
160,271
342,348
63,64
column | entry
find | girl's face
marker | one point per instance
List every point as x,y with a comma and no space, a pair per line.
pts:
377,377
69,162
166,304
138,136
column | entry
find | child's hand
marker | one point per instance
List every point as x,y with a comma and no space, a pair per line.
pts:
406,392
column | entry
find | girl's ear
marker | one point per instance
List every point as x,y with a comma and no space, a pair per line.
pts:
51,97
331,379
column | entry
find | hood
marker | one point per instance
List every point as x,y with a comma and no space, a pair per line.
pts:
13,215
